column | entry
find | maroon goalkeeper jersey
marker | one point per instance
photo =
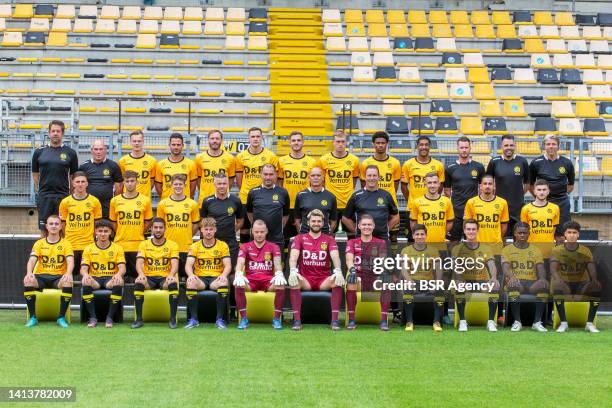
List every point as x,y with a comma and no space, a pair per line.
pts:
315,257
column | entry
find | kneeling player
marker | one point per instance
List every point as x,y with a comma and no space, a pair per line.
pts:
574,276
483,271
422,270
103,266
259,268
360,255
309,264
157,267
50,266
523,265
208,266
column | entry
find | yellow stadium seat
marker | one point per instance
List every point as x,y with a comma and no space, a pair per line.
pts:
484,91
586,109
564,18
606,163
367,309
83,25
501,17
409,74
257,43
514,108
146,41
57,39
170,27
420,30
396,17
393,108
570,127
12,39
23,11
48,305
489,108
478,75
480,17
417,17
234,42
105,26
336,44
455,74
374,16
377,30
192,27
109,12
562,109
131,13
235,28
355,30
173,13
153,13
460,91
126,26
459,17
534,45
148,27
260,306
542,18
438,17
213,28
464,31
506,31
442,31
485,31
471,125
398,30
353,16
437,91
156,307
65,11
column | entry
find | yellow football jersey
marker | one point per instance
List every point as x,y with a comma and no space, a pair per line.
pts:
130,214
208,261
294,173
523,261
425,268
389,170
166,169
478,256
413,174
157,257
490,215
250,166
103,262
145,166
51,258
80,217
434,214
180,217
541,220
339,175
572,265
208,167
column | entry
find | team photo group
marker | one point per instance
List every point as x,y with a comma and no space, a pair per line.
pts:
500,234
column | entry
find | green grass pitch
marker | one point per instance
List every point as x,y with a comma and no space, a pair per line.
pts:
159,367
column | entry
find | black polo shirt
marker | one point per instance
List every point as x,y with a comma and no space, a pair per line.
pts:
559,173
54,165
463,179
510,176
308,200
378,203
225,211
270,205
101,177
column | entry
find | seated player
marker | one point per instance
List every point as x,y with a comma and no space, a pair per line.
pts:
50,266
574,276
481,272
360,254
425,270
309,264
523,267
259,268
208,267
103,266
157,268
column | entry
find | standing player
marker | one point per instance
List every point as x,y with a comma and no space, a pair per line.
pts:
542,216
259,269
176,163
523,266
433,210
574,276
249,164
182,216
131,214
228,212
374,201
79,212
315,197
139,161
483,270
103,266
50,266
157,266
52,166
269,203
341,170
461,180
309,266
212,162
558,171
490,211
422,271
360,255
511,174
208,267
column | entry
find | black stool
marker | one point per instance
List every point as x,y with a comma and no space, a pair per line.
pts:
102,303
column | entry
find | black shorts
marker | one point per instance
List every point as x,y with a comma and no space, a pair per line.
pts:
233,249
102,280
181,266
47,204
47,281
564,210
156,282
78,256
246,224
456,233
207,280
130,265
289,231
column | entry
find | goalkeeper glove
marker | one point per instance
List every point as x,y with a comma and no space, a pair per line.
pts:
337,277
278,279
240,280
294,277
352,276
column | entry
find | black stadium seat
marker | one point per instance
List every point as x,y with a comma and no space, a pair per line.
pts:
586,20
501,74
604,19
521,17
158,128
60,109
546,124
548,76
422,123
510,44
605,108
424,43
446,124
234,94
495,124
594,125
44,10
160,110
258,27
37,108
178,93
169,40
451,58
397,125
570,76
34,38
439,106
403,43
99,45
347,122
93,76
212,62
124,45
97,59
385,73
258,13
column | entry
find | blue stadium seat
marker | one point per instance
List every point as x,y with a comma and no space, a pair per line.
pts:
604,19
501,74
570,76
522,17
548,76
452,58
441,107
403,43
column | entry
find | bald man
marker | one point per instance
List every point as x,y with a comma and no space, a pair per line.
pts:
104,176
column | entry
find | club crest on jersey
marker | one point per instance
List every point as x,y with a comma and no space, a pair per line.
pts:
138,203
324,246
349,163
517,170
223,161
497,206
323,202
275,197
230,211
562,170
263,159
268,256
183,166
549,210
186,206
111,254
304,163
60,248
63,156
88,205
146,163
474,173
388,165
165,249
442,204
380,201
106,172
215,252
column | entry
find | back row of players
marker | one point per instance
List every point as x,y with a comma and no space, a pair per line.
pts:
257,173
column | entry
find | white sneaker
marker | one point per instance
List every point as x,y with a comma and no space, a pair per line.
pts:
463,327
516,326
591,328
491,326
563,327
538,326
